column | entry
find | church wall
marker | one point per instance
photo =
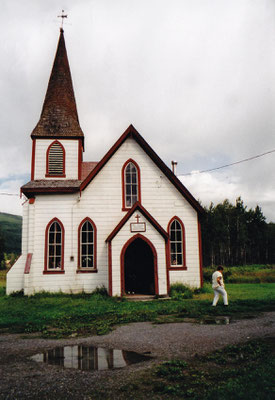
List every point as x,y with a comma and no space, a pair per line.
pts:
71,158
65,208
161,199
122,238
15,276
102,202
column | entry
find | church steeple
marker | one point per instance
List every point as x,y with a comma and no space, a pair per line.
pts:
59,118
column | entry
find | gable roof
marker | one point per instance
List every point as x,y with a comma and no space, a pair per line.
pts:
93,168
146,214
59,118
131,132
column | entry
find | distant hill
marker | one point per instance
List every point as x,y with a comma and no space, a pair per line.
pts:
10,228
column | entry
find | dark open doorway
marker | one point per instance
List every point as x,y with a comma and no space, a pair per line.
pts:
139,277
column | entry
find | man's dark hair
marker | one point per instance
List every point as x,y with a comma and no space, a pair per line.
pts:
220,268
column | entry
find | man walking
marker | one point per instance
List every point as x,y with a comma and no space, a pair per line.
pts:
218,287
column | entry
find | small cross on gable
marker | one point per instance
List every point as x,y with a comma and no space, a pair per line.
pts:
138,226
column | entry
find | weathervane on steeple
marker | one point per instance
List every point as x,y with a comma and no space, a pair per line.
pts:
62,16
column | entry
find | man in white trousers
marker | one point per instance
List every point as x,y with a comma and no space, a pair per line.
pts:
218,287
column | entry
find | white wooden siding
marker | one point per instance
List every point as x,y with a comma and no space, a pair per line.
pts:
157,241
15,276
71,158
102,202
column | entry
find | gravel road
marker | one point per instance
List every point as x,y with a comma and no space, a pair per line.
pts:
23,378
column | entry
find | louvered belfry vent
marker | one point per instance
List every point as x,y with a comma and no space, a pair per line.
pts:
56,159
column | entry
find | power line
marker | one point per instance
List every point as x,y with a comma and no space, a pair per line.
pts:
229,165
8,194
192,173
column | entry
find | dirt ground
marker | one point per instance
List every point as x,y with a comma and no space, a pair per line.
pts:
23,378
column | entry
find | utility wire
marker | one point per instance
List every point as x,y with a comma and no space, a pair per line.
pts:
8,194
191,173
229,165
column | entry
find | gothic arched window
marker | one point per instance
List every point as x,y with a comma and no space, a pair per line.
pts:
55,160
54,246
131,184
87,245
176,243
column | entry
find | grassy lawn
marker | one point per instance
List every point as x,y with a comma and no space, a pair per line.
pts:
244,274
237,372
243,291
59,315
241,372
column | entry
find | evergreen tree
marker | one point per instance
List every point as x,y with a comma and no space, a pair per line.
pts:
2,248
233,235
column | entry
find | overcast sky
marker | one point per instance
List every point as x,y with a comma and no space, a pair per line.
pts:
195,78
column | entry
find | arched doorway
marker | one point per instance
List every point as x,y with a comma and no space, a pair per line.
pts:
139,267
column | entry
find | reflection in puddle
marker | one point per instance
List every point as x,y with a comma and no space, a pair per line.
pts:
215,321
89,358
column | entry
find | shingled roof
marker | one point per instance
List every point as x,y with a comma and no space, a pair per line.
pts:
39,186
59,118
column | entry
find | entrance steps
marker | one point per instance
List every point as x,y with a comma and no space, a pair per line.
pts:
144,297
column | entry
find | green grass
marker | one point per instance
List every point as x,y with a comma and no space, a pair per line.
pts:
60,315
240,372
244,274
243,291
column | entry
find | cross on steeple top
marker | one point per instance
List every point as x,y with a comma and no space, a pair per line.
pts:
62,16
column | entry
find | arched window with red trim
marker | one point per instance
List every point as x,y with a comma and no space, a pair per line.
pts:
130,184
176,243
87,246
55,160
54,246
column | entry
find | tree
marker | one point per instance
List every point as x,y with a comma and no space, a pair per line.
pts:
2,247
233,235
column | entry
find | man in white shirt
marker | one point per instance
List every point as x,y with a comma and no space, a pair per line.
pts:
218,287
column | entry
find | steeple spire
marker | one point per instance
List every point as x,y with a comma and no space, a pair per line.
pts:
59,118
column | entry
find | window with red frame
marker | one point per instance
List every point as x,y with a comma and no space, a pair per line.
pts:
87,246
176,244
55,243
131,189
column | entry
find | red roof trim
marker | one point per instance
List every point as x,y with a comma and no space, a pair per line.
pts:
147,215
132,132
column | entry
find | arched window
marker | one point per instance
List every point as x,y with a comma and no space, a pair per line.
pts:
55,160
54,247
87,246
176,243
131,184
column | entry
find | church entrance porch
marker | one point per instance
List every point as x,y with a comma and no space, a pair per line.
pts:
139,267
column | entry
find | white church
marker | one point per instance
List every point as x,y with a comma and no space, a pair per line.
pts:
126,222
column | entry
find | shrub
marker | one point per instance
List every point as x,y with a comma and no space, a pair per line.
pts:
101,290
179,291
204,289
19,293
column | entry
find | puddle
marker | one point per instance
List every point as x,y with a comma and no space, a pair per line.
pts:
215,321
208,320
89,358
